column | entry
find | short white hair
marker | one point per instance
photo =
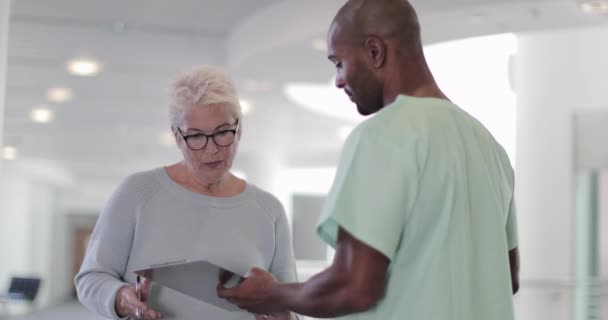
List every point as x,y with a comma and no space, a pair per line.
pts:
202,86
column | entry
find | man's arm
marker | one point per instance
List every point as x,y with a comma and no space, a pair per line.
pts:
514,265
354,282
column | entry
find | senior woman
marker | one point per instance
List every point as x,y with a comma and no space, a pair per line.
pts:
193,209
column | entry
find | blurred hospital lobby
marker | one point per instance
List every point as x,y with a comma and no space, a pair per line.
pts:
83,104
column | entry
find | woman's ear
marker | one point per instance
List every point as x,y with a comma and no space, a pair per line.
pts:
176,135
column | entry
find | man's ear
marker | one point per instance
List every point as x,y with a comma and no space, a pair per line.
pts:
376,51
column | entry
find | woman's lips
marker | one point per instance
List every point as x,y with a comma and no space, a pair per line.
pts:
213,164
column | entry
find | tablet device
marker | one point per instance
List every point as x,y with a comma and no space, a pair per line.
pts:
196,278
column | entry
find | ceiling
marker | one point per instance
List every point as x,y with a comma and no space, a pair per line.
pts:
112,125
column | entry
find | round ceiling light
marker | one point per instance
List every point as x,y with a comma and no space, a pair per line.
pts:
42,115
59,95
84,67
594,6
9,152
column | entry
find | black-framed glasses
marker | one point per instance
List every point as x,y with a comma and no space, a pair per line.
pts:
199,141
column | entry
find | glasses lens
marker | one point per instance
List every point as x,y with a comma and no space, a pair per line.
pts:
224,138
196,142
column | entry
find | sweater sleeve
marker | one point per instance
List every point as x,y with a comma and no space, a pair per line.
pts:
104,266
283,265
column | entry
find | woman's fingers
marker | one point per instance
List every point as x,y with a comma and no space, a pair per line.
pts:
127,304
145,287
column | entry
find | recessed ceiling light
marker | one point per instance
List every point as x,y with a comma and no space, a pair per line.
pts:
83,67
246,106
594,6
319,45
42,115
59,95
166,139
9,152
344,131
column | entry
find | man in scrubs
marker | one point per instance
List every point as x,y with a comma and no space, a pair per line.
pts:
421,213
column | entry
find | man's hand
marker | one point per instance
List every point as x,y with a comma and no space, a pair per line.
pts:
128,305
274,316
254,294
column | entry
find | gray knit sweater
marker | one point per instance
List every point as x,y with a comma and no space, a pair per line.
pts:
151,219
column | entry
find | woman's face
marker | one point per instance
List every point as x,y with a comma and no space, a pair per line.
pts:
212,162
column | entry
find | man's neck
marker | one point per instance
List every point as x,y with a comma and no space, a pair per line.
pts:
414,81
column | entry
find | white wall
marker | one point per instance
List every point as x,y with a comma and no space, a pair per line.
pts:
89,197
557,75
480,84
32,227
14,227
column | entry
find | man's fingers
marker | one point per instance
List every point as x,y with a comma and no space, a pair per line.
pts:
252,309
225,275
231,296
225,293
252,272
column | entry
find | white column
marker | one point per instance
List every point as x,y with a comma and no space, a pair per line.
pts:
603,205
586,264
4,18
558,74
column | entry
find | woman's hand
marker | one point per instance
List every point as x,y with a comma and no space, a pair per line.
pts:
128,305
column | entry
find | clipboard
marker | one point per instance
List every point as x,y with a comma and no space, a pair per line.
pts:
195,278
